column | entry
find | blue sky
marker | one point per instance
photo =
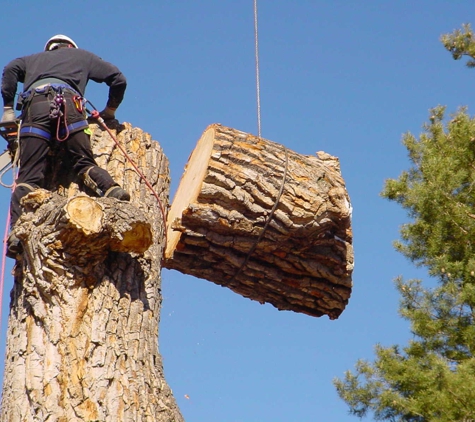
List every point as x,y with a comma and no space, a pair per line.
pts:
346,77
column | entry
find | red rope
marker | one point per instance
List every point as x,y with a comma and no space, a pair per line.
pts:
95,115
65,122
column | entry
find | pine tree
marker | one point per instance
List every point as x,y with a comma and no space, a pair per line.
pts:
432,378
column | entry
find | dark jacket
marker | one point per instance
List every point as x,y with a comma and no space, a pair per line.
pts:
74,66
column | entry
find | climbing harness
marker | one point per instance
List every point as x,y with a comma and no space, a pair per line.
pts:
59,111
58,95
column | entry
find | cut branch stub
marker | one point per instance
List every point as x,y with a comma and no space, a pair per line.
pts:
82,226
269,223
85,213
129,230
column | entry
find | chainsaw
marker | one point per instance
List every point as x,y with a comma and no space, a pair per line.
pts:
9,132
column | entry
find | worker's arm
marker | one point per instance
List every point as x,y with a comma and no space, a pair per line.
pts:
13,73
102,71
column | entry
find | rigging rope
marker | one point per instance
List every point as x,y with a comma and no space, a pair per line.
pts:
95,114
269,219
258,90
282,185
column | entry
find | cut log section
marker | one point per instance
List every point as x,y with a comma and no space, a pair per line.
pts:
268,223
82,227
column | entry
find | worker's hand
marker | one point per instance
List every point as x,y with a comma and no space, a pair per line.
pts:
108,113
8,114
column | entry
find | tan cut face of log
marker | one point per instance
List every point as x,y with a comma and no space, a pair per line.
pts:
269,223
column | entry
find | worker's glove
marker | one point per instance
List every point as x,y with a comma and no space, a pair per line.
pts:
8,114
108,113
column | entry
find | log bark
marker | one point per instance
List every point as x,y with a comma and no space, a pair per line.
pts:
268,223
82,340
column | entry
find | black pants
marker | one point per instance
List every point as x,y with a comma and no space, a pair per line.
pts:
34,150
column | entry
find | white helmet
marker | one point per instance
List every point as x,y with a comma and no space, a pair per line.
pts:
54,42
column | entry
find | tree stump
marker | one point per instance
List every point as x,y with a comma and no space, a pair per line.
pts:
268,223
82,340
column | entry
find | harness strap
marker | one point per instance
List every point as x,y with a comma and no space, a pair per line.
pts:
42,89
25,130
60,87
37,131
73,126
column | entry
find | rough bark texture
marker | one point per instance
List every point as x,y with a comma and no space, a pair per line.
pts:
83,327
269,223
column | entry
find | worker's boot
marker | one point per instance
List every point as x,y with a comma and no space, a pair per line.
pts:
118,193
14,246
100,181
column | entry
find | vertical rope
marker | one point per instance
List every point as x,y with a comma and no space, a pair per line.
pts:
258,90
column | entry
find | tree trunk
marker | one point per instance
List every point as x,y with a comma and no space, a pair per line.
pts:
83,326
270,224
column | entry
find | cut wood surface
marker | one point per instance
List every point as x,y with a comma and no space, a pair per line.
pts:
269,223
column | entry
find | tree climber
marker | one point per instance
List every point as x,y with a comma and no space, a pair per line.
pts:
53,110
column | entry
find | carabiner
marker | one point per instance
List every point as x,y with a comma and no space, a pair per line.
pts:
78,103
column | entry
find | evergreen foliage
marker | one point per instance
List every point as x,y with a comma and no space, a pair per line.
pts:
460,43
433,377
